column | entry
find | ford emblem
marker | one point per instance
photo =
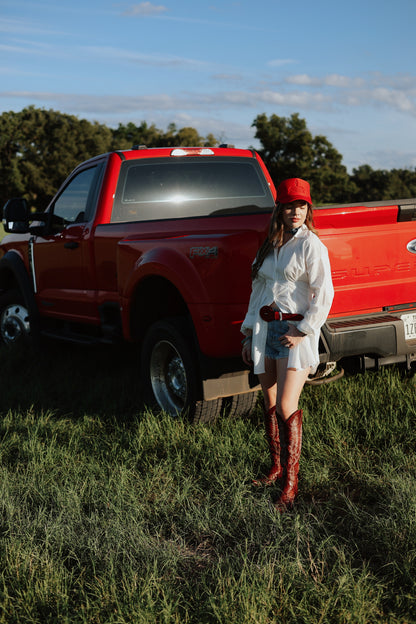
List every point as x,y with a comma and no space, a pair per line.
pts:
411,246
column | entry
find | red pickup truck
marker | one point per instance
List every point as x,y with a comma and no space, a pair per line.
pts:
154,247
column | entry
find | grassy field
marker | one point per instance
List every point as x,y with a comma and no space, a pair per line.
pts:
113,514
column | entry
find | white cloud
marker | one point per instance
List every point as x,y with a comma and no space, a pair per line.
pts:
292,99
395,92
397,81
395,99
184,102
145,9
27,48
140,58
228,77
280,62
344,82
21,27
304,80
388,159
331,80
332,95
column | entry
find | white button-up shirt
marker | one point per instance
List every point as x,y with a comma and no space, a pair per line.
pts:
297,277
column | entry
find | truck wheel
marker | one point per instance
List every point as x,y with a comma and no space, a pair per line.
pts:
241,405
169,370
14,318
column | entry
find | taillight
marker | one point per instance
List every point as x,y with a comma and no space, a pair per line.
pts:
407,212
192,151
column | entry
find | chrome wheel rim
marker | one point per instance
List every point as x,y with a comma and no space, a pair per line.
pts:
168,377
14,323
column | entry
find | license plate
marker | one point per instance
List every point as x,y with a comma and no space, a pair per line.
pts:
409,321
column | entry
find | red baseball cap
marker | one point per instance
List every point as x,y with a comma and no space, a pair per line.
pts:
292,189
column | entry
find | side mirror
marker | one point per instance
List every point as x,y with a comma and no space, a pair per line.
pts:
16,216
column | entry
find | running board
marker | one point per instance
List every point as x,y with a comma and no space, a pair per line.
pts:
75,338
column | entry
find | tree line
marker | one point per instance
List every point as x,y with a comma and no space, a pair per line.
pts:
39,148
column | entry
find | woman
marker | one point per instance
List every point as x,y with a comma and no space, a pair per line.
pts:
291,297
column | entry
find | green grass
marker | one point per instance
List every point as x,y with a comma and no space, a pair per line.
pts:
110,514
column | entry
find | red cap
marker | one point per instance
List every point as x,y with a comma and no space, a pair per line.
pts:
292,189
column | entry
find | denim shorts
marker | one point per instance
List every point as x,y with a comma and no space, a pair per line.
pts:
274,348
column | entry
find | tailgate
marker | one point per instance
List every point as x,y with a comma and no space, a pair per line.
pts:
372,250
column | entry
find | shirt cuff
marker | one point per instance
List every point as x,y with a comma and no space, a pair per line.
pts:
304,327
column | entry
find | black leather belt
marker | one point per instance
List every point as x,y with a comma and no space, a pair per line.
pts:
268,314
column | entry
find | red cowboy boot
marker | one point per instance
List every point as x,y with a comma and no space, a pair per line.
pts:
283,442
293,427
273,438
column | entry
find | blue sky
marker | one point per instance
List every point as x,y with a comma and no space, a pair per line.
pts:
348,68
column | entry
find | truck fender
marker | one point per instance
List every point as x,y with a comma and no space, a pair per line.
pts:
172,265
12,269
168,269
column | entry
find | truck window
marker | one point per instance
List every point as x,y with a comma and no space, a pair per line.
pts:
74,203
171,189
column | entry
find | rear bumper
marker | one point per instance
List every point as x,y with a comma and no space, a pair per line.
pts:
374,340
226,377
379,338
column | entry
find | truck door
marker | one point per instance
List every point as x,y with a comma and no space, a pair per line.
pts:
62,267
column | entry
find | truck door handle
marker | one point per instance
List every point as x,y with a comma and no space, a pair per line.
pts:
71,245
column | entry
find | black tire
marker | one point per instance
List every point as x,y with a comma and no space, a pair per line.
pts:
241,405
14,318
169,373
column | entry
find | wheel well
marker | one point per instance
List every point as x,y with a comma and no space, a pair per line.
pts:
8,280
154,299
14,275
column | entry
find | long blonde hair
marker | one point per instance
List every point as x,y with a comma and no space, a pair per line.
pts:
274,237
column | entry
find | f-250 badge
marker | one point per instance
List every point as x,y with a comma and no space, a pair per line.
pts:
203,252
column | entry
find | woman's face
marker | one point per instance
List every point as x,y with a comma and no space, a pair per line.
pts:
294,214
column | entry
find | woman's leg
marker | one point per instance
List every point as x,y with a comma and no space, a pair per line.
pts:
268,381
290,383
268,384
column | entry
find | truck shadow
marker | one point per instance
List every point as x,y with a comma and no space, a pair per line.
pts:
71,380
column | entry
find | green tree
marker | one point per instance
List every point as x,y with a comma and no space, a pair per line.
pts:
125,136
290,150
379,184
39,148
186,137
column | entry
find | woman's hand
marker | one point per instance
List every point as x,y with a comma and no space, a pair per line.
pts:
292,338
246,352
